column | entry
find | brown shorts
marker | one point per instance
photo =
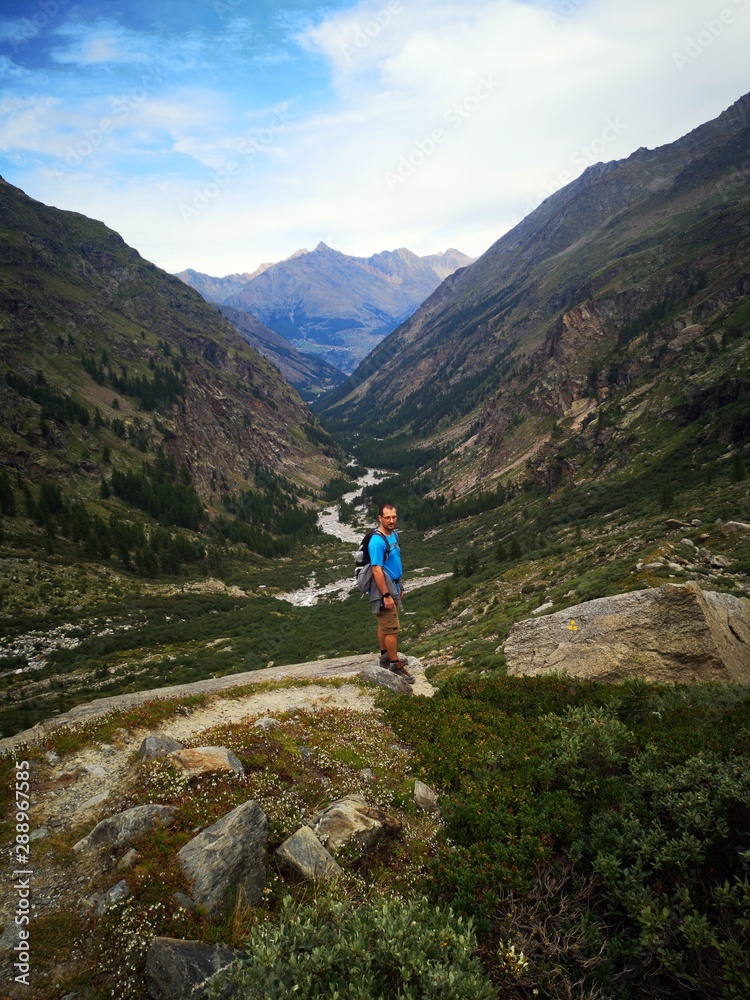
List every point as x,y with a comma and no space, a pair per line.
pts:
388,622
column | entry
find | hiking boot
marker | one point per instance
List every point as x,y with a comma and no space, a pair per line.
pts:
384,660
399,667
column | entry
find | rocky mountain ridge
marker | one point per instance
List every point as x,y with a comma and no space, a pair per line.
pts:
625,291
333,305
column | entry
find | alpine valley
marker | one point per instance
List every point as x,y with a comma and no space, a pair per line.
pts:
565,420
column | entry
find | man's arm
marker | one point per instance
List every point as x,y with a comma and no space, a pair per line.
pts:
381,583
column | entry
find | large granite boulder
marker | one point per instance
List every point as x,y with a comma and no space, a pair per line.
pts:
305,855
127,827
178,969
228,858
675,634
352,821
204,762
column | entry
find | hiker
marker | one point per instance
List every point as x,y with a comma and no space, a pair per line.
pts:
386,589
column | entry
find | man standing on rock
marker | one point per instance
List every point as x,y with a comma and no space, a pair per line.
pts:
386,589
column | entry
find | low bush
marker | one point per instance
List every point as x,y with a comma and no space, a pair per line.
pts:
384,948
632,799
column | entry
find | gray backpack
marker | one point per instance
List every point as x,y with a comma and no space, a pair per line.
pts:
362,564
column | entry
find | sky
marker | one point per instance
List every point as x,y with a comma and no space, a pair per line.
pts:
220,134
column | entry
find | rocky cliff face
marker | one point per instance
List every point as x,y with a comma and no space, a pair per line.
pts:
634,275
96,339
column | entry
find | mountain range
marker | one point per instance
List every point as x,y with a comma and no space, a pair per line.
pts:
608,322
329,304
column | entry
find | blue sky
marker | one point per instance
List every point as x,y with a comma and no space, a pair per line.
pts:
225,133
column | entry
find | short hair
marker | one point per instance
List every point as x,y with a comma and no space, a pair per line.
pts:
383,506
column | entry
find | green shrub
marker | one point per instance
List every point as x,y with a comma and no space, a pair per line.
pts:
385,948
601,830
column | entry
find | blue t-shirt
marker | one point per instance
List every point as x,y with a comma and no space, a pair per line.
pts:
391,565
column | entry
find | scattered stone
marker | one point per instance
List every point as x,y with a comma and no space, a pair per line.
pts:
157,745
176,970
543,607
184,901
305,752
201,762
732,527
113,896
96,800
720,562
128,860
696,522
675,634
367,773
228,857
124,828
39,834
351,820
305,855
425,798
385,678
93,771
688,541
266,723
673,522
651,565
10,937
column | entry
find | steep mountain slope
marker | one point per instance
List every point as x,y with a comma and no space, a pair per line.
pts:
309,375
339,307
621,300
86,316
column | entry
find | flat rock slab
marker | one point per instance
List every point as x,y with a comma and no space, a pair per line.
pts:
673,634
351,820
176,970
306,856
228,858
127,827
201,762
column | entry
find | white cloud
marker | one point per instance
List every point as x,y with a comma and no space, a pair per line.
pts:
443,122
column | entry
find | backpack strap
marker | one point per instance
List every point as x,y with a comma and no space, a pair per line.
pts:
377,531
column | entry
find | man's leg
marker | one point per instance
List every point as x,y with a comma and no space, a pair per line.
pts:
389,643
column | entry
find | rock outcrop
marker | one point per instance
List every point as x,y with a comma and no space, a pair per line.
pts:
352,821
178,969
127,827
228,857
673,634
305,855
